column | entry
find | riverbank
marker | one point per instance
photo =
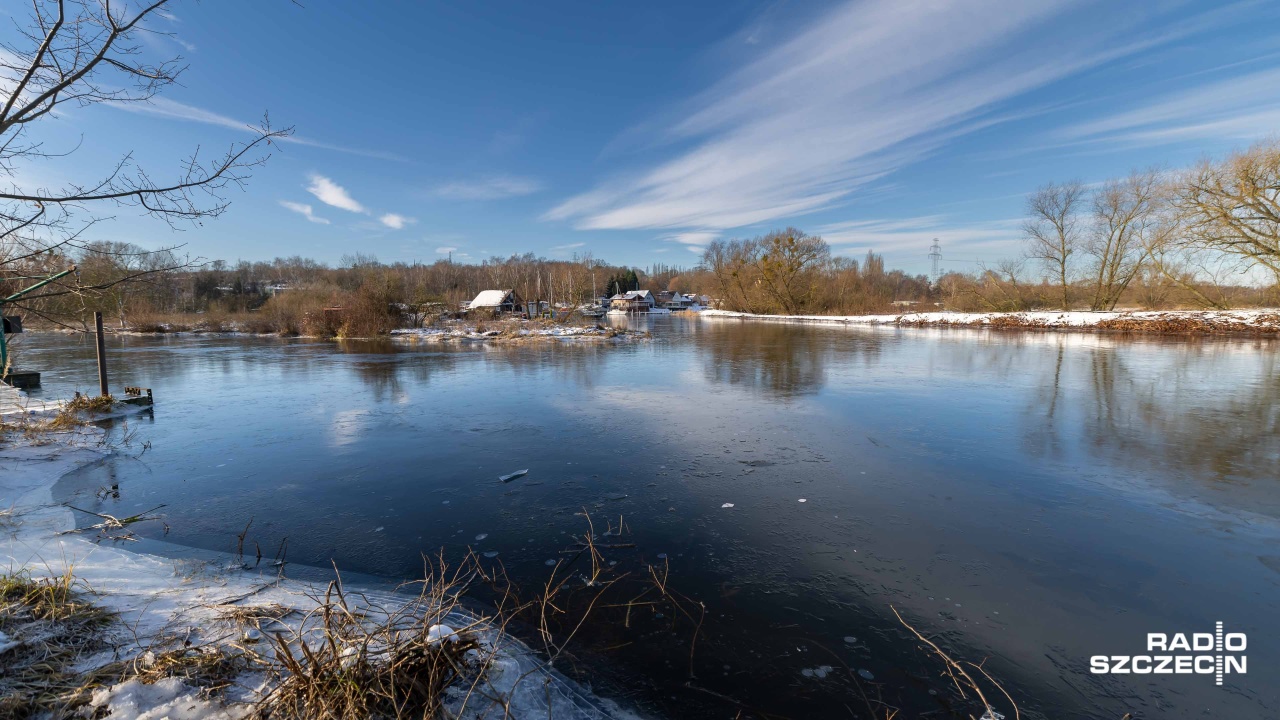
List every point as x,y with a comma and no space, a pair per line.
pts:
133,635
499,330
514,330
1261,322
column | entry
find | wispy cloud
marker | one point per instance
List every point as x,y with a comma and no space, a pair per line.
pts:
446,250
916,234
494,187
174,110
396,222
695,240
304,210
862,91
331,193
570,246
1242,107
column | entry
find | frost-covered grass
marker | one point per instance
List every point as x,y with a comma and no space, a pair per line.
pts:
1168,322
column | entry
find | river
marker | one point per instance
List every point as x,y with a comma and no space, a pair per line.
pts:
1025,499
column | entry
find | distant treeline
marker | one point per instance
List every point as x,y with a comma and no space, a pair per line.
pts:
1205,237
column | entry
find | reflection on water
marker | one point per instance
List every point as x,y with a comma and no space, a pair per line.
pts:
1031,498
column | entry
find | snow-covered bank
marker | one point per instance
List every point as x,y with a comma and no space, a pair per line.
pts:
523,330
161,603
1169,322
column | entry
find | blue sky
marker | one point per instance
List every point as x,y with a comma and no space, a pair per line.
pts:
640,131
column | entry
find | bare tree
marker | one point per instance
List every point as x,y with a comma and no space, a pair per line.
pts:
77,53
1052,230
785,267
1125,214
1233,206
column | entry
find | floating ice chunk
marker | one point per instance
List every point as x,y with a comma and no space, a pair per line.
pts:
991,715
549,563
804,500
727,505
850,639
380,528
481,536
866,674
662,556
514,475
491,554
441,633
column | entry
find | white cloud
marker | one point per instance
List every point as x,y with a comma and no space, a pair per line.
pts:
174,110
490,188
570,246
304,210
864,90
696,239
331,193
912,236
446,250
396,222
1238,108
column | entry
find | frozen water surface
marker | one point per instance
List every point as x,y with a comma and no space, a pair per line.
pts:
1067,493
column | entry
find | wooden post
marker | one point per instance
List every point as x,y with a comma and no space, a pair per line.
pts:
102,356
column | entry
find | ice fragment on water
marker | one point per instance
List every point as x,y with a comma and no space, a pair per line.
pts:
866,675
438,633
514,475
991,715
727,505
481,536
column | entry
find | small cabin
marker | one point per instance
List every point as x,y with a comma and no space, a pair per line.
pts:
497,302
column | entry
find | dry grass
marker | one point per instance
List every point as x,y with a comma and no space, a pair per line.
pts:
964,677
54,627
350,655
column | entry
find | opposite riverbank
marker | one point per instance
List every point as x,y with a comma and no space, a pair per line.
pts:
1261,322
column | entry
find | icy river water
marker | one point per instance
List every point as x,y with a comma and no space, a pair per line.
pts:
1027,499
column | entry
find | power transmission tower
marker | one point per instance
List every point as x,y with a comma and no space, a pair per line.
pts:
935,254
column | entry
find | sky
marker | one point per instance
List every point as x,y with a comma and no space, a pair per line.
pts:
639,132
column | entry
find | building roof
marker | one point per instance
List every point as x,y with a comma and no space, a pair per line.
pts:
490,298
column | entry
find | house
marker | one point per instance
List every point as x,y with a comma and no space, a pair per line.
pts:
675,301
497,302
632,301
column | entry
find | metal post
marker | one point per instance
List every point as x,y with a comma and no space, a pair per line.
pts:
102,355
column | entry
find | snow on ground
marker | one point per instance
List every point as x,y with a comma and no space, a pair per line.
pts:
154,596
1264,320
524,330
